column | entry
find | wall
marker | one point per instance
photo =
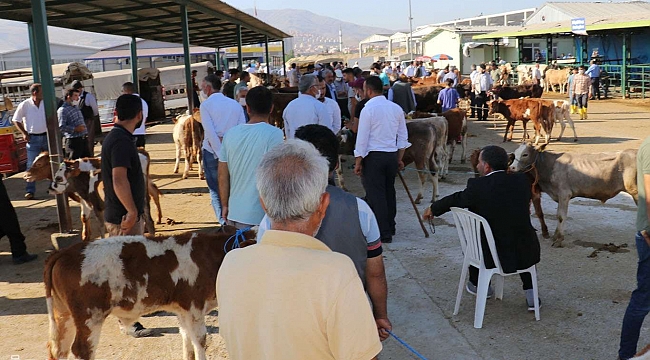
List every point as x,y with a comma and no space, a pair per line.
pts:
60,54
445,42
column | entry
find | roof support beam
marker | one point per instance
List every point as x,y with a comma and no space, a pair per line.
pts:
189,88
134,63
268,59
36,75
240,59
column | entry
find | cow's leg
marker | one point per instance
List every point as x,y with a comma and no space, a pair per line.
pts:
85,220
87,335
562,211
562,127
154,192
339,175
192,324
573,127
62,332
463,144
188,161
508,127
422,176
178,156
537,204
451,146
149,226
434,171
199,156
441,162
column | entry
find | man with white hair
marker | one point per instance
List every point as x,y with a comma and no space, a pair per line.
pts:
310,298
305,109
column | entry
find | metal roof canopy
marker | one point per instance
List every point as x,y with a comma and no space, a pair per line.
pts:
212,23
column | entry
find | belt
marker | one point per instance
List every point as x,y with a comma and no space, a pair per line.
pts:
39,134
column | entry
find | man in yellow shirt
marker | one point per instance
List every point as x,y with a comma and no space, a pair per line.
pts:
290,296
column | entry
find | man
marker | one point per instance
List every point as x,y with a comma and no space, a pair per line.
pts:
495,74
422,70
341,88
330,89
331,106
348,75
29,118
229,87
448,97
538,58
482,83
139,133
73,127
90,110
358,240
581,91
402,94
218,115
536,75
451,75
195,90
442,73
594,74
251,69
572,98
639,304
504,201
10,227
241,89
124,187
472,94
381,141
361,98
385,81
242,150
293,75
410,70
292,283
305,109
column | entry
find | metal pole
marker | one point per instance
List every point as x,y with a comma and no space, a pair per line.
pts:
549,48
284,61
410,45
520,48
240,57
42,46
218,59
624,66
189,88
268,59
36,75
134,63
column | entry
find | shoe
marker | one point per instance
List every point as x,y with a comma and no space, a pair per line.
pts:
582,116
574,109
387,240
24,258
530,300
471,288
584,113
29,196
141,331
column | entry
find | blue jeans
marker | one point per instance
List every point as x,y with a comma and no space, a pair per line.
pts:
210,166
35,146
639,302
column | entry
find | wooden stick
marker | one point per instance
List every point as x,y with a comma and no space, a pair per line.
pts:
417,212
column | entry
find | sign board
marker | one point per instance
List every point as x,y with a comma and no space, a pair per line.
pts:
579,26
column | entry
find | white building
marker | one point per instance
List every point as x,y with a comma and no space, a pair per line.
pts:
60,53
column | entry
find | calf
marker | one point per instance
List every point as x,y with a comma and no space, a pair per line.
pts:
518,110
188,136
558,77
562,114
131,276
428,138
427,98
564,176
457,131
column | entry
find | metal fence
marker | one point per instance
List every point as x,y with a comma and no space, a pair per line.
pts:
637,84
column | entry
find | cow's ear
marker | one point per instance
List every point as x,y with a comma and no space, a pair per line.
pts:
542,147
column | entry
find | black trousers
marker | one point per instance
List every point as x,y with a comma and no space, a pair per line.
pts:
9,226
526,279
595,87
76,148
343,105
472,103
482,105
379,170
140,141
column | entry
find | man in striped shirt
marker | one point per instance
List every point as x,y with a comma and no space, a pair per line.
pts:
73,127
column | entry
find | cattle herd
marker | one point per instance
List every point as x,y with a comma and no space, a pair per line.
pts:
132,276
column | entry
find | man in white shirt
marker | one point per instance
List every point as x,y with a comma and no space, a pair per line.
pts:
381,140
292,75
482,83
218,115
472,95
305,109
29,118
410,70
536,75
331,106
139,133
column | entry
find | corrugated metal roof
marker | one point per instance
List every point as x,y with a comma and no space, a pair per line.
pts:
600,9
212,23
120,54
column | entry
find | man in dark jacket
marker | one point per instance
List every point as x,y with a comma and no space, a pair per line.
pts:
504,201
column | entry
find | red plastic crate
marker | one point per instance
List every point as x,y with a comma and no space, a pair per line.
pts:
9,154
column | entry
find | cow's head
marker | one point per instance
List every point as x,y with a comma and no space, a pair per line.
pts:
494,106
347,141
68,169
525,156
40,169
196,115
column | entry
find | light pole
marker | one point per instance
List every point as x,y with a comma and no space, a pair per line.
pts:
410,43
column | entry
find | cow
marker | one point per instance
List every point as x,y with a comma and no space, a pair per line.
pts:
558,77
188,136
562,114
564,176
518,110
515,92
427,98
280,102
457,131
546,115
524,72
131,276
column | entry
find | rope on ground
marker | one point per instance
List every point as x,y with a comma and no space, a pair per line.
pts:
433,172
407,346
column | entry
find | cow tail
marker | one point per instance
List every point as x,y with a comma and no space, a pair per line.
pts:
53,328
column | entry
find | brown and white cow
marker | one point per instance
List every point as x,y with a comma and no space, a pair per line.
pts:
457,132
131,276
518,110
188,136
563,115
564,176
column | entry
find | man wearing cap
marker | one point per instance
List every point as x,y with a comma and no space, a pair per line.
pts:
29,118
341,88
90,111
305,109
72,126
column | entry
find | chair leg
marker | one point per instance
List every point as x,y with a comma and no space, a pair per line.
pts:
461,286
533,275
484,277
499,282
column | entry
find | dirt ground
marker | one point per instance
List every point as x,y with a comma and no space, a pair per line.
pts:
583,297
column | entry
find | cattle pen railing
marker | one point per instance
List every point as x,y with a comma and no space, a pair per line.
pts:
637,80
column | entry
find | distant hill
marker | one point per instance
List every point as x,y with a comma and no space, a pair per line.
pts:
293,21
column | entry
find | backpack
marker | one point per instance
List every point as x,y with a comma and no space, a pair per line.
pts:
86,110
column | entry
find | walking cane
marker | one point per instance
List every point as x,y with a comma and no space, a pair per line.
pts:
417,212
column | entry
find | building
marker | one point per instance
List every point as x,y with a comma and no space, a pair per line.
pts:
60,53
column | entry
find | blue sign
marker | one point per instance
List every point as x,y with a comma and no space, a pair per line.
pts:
579,26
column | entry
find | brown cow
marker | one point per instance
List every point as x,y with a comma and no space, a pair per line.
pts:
558,77
131,276
188,135
518,110
280,102
427,98
457,131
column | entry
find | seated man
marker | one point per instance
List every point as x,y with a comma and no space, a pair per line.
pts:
504,201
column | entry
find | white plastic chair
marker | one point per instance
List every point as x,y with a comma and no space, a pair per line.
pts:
469,226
